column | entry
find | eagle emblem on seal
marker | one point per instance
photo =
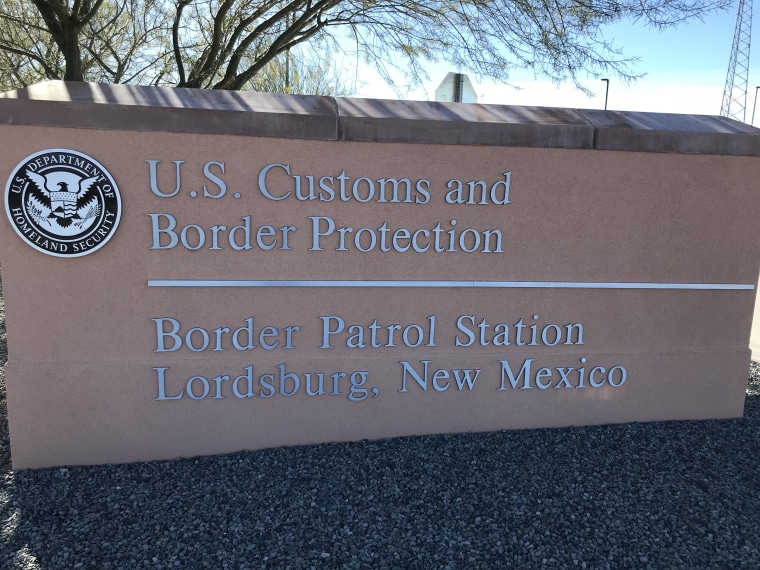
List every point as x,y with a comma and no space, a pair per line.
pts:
63,197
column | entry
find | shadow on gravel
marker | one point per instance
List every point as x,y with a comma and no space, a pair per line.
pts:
665,495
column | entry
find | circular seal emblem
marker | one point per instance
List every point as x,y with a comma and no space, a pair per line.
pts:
63,203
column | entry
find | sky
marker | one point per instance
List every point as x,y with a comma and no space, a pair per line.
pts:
685,71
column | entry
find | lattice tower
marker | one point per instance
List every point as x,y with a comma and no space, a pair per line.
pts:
735,93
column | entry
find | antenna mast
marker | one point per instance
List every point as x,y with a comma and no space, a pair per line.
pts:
735,93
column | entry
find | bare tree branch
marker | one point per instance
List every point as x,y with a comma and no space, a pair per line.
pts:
33,56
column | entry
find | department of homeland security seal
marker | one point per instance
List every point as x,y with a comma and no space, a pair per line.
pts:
62,203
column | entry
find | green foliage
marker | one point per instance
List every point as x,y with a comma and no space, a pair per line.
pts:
117,41
26,53
293,72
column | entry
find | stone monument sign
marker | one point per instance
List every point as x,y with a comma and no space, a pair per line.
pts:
190,272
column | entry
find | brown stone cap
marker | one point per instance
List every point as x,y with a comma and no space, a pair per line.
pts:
140,108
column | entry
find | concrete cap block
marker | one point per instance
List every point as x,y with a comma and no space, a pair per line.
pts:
201,111
457,123
671,132
140,108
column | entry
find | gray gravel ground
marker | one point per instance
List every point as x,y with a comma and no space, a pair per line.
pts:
663,495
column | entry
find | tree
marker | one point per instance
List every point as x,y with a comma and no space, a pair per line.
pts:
123,41
225,44
306,74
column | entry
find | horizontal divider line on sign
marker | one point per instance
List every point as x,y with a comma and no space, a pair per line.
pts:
444,284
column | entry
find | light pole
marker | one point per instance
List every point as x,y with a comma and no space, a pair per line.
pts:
607,92
753,106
